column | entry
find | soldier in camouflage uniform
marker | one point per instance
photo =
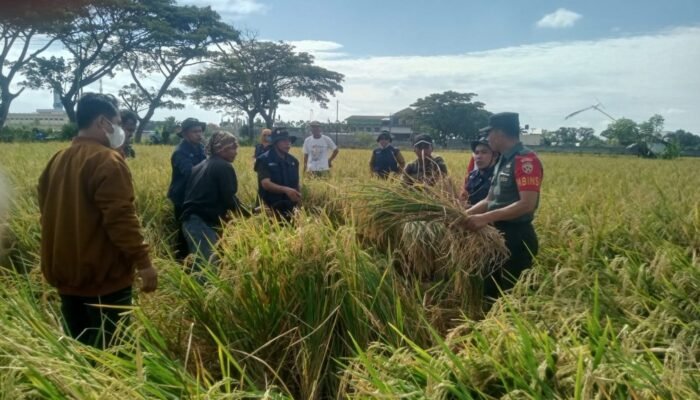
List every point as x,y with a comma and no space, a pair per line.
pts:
512,200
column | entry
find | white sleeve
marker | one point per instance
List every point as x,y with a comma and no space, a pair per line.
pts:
331,144
305,148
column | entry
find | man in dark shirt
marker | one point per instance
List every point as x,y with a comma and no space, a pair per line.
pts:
278,175
512,200
478,181
187,154
210,196
428,169
386,159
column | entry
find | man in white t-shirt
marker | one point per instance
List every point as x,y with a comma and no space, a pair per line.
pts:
317,149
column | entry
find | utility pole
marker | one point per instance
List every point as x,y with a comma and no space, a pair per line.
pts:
337,121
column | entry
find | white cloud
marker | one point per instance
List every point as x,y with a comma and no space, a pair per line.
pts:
562,18
234,9
633,76
319,48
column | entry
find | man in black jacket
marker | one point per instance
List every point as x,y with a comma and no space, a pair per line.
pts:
210,196
187,154
278,175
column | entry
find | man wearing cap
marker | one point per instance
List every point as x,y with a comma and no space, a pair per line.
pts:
512,201
478,180
278,175
386,159
210,196
187,154
426,169
317,148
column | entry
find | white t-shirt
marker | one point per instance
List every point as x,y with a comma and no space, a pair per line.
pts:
318,150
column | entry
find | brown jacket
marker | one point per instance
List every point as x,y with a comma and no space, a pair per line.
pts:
90,235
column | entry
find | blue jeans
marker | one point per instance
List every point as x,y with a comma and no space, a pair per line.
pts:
201,239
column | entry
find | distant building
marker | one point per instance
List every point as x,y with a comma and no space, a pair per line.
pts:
398,124
531,139
41,119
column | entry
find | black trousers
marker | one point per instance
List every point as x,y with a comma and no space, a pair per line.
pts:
181,248
90,323
521,241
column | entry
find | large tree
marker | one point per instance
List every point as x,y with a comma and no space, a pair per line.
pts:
624,131
256,77
103,33
181,37
653,128
451,115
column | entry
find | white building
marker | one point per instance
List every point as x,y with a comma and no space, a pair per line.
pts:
46,119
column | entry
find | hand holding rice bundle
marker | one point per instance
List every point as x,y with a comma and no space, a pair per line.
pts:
427,226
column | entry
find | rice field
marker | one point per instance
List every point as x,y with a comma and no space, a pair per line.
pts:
343,304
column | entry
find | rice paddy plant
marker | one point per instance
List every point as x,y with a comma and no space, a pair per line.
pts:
351,299
287,301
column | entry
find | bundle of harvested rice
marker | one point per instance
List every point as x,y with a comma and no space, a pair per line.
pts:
426,224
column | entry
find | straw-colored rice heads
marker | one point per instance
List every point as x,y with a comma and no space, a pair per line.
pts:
289,300
426,225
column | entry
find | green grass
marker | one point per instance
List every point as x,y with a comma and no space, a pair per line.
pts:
332,307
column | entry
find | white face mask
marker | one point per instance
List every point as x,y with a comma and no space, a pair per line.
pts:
117,137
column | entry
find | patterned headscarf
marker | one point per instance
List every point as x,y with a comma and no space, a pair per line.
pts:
219,140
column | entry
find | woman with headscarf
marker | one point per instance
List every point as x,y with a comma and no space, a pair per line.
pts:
210,197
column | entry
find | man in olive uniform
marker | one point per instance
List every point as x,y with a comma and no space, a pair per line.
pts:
428,169
278,175
512,200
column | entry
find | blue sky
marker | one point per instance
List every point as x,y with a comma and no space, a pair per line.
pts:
543,59
391,27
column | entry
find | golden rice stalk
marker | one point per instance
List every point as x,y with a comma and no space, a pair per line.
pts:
428,222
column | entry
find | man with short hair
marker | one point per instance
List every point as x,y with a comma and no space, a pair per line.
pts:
278,175
386,159
187,154
317,148
91,237
130,122
478,180
427,169
210,197
511,203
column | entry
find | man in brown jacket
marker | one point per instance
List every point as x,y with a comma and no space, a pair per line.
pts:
91,239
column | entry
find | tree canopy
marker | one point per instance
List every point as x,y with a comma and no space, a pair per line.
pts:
256,77
451,115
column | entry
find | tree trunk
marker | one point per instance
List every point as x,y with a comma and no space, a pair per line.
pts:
5,102
269,121
69,107
142,124
156,100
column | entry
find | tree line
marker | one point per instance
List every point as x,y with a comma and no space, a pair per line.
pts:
154,41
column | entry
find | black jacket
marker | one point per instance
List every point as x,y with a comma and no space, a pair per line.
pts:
184,158
282,171
211,191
